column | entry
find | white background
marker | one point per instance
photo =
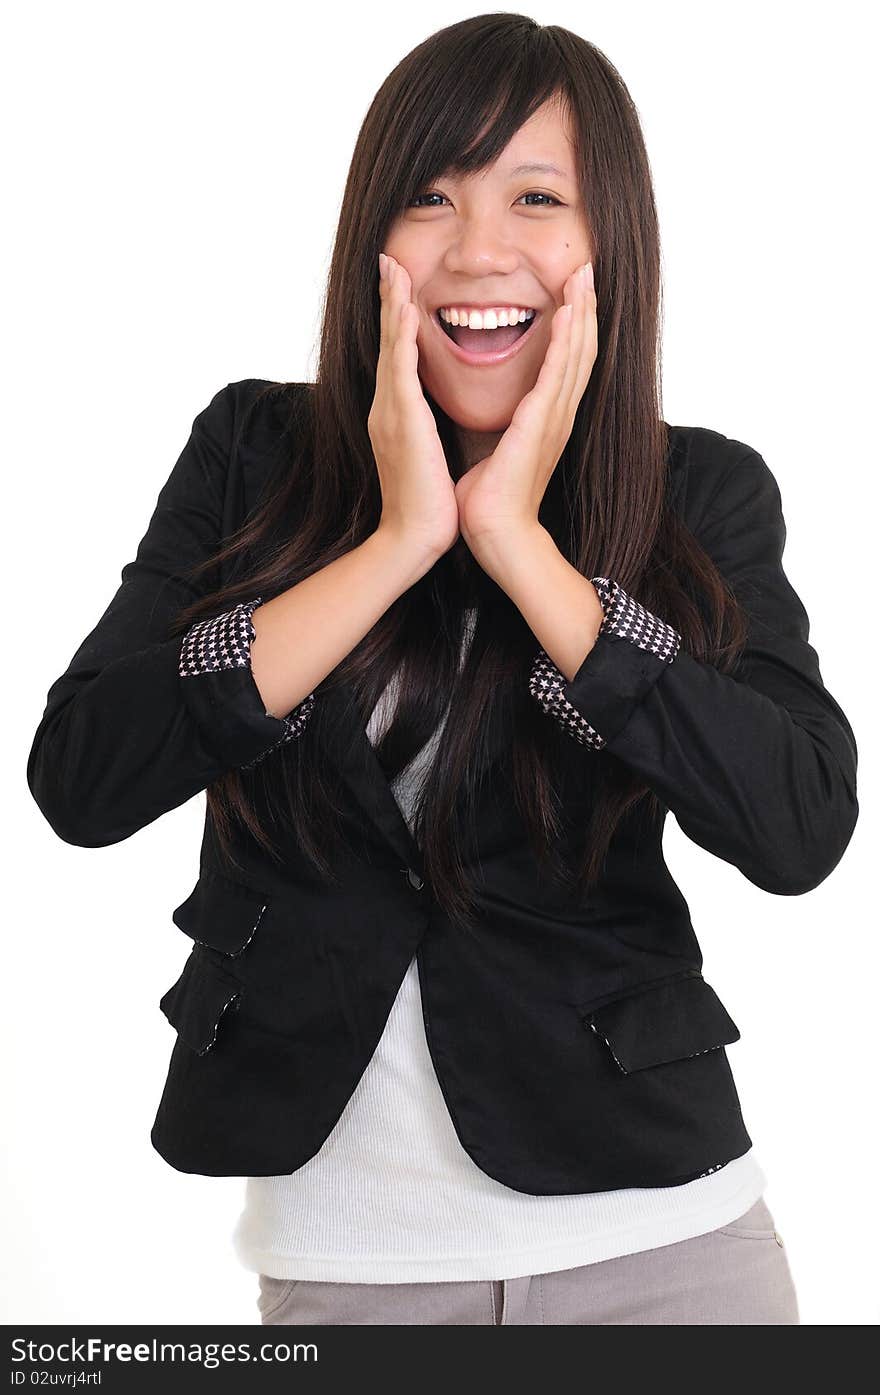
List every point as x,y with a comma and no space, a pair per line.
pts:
174,174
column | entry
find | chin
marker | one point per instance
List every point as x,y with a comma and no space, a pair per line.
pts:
484,426
482,421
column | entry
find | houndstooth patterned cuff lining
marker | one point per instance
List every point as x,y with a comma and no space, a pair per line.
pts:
224,642
625,617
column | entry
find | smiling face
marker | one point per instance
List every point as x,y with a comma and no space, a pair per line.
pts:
505,236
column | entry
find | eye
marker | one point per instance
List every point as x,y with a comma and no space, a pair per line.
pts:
433,194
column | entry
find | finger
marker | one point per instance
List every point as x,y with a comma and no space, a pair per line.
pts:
389,317
586,356
382,299
575,290
383,307
405,354
590,346
398,295
386,293
550,377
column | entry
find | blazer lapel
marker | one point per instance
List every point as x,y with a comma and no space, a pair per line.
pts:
343,738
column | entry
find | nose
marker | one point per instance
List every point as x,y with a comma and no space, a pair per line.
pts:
479,250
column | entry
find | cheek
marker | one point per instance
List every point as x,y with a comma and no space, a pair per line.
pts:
427,339
402,250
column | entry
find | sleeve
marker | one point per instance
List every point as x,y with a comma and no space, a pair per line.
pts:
757,768
140,722
223,642
625,617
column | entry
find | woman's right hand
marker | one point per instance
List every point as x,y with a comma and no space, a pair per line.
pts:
418,493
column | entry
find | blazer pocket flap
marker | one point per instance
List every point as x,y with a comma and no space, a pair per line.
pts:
221,913
668,1021
195,1005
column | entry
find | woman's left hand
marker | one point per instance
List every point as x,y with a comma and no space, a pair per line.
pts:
502,493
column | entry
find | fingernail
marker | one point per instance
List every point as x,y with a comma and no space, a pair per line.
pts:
382,264
391,265
587,273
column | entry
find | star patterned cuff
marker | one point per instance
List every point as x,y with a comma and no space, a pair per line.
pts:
224,642
624,617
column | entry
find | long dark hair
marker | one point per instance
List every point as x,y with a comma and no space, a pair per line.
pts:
453,104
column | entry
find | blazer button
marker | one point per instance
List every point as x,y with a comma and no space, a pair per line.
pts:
414,879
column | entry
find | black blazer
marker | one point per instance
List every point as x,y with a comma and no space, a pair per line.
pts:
578,1048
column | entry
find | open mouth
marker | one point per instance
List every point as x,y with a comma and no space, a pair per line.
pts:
486,345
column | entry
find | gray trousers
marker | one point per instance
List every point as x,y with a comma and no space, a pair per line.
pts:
735,1275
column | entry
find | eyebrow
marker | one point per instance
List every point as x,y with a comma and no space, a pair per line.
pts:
538,167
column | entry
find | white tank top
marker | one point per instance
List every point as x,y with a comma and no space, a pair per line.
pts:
392,1197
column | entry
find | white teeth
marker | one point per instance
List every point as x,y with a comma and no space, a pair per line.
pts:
485,319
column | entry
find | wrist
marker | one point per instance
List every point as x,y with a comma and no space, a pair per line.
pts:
504,553
407,553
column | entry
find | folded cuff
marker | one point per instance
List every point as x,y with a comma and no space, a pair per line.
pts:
632,649
215,662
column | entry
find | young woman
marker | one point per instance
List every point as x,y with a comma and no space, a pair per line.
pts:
444,636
